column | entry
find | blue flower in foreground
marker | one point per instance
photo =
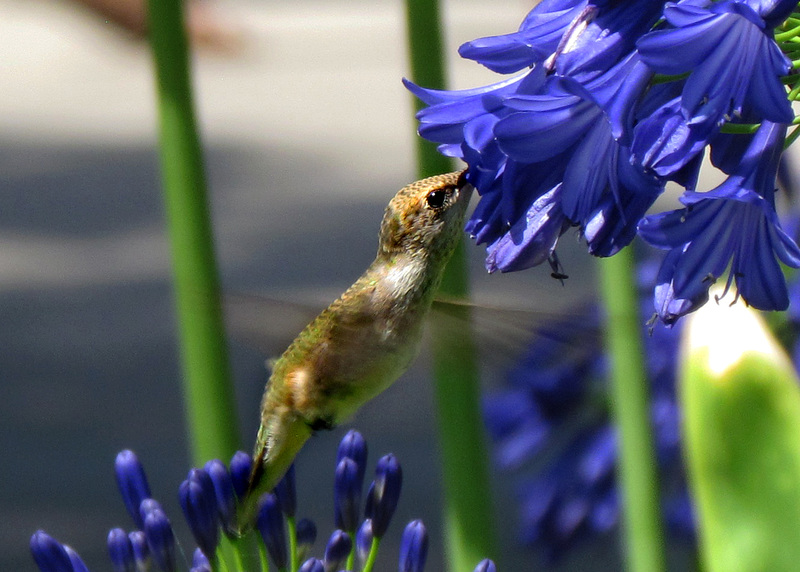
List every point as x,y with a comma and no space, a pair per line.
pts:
555,416
132,483
413,547
312,565
206,498
384,493
48,553
337,550
120,550
733,225
270,523
199,504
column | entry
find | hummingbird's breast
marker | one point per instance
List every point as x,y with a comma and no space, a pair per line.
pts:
357,347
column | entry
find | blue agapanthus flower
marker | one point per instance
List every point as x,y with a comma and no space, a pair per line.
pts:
553,424
733,225
609,101
209,498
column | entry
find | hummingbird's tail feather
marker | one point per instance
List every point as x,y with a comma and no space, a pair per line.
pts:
279,441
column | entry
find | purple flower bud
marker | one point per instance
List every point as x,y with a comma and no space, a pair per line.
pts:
199,505
413,547
141,552
147,506
270,523
224,493
605,512
160,539
337,550
286,493
199,559
600,459
486,566
384,493
354,446
75,560
312,565
132,483
306,535
364,538
49,554
241,464
203,568
347,494
120,551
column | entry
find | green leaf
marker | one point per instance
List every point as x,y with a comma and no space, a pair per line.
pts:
741,404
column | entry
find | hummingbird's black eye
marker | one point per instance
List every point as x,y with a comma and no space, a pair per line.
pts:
436,199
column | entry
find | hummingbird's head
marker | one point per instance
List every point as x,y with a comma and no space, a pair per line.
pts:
426,216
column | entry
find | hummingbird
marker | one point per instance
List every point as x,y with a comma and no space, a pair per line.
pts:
363,341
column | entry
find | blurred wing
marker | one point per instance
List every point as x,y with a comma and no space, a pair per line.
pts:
502,335
267,325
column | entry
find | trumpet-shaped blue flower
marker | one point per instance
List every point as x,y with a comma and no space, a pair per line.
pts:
734,225
734,67
585,137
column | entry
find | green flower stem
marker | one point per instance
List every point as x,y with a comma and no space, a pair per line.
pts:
238,557
644,537
792,137
373,554
219,562
468,518
208,392
294,557
351,558
262,557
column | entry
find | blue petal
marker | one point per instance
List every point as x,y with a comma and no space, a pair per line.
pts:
538,36
504,54
666,142
607,38
530,241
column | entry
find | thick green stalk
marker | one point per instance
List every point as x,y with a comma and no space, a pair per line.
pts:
469,530
638,477
208,392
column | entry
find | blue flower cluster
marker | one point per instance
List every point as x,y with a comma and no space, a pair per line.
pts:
209,498
555,420
612,99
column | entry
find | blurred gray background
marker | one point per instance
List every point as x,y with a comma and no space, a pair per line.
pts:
308,133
